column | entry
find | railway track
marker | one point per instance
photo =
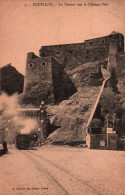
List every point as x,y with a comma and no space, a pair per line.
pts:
60,188
61,178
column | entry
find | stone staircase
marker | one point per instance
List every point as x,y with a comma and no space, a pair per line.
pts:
106,76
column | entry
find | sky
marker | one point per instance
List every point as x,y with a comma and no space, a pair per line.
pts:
25,28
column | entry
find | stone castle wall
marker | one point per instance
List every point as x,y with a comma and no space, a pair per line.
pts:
121,64
54,60
37,69
73,55
45,79
63,87
97,49
116,45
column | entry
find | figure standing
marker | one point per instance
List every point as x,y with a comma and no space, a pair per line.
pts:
5,149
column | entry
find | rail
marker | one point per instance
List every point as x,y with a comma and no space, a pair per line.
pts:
106,76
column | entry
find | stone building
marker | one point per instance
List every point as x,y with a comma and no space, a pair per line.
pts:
46,76
73,55
46,80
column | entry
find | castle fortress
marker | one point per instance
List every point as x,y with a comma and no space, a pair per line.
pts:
49,70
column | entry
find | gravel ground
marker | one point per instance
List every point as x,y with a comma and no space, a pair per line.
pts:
56,170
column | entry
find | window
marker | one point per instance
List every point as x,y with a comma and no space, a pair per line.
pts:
91,43
87,51
70,51
31,65
43,63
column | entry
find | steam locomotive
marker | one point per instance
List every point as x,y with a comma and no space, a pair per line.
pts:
25,141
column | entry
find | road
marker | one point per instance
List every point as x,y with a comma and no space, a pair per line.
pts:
61,170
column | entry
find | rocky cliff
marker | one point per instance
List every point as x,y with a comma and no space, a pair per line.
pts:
11,81
71,116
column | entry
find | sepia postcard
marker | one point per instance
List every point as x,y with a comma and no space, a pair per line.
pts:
62,97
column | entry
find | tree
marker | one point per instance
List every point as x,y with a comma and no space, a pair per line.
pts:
96,123
109,102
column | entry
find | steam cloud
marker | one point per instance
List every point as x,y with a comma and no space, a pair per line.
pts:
10,119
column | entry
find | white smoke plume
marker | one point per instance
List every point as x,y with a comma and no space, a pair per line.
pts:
10,119
9,104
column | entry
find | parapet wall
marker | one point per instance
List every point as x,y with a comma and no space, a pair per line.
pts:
73,55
